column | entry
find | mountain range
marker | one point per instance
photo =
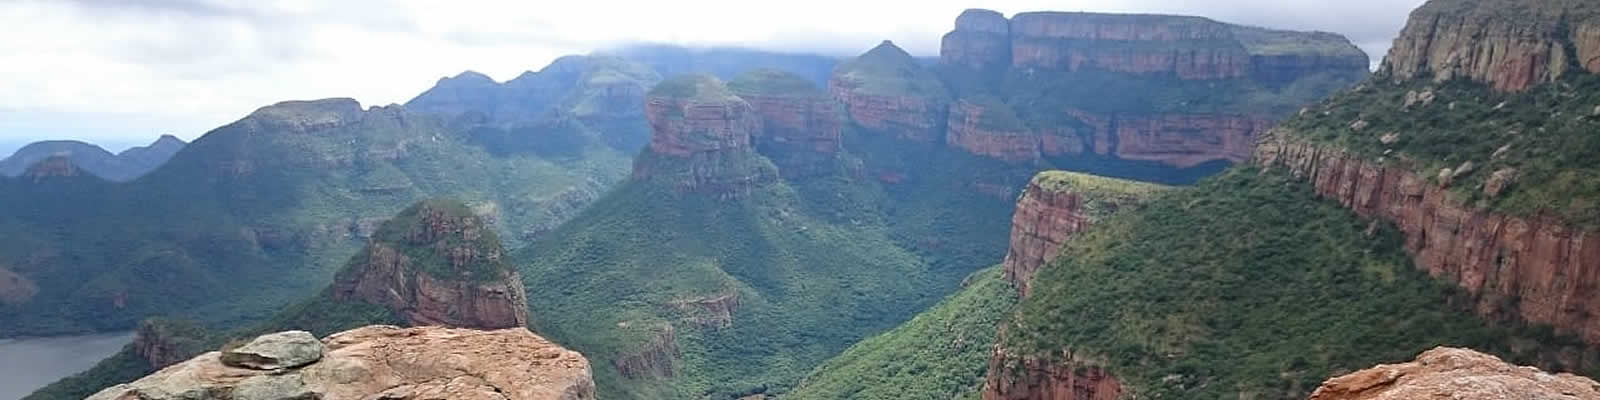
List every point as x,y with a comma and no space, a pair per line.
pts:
121,167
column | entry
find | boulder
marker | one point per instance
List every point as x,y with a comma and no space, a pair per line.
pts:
276,351
1456,374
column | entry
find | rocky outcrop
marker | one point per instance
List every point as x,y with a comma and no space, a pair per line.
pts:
16,289
304,117
1511,45
437,263
51,167
1457,374
275,352
1178,140
1055,206
383,362
1012,377
800,126
1187,47
989,128
656,357
700,138
163,342
888,91
981,41
1536,269
715,312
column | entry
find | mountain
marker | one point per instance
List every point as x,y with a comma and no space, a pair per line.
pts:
1431,205
125,166
262,211
726,63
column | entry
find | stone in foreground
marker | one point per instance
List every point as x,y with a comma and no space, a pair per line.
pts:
386,362
275,351
1457,374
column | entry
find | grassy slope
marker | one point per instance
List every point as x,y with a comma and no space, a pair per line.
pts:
1246,285
1548,133
942,353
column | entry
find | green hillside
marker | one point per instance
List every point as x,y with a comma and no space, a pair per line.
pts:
942,353
1248,285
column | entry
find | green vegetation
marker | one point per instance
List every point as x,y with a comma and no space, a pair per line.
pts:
772,82
1248,285
887,70
695,87
1547,135
815,266
997,115
416,233
1273,42
942,353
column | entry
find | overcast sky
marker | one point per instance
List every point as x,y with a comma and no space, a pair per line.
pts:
121,72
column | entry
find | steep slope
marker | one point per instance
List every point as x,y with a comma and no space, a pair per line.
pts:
260,212
125,166
1510,45
1153,97
1489,177
1246,285
708,275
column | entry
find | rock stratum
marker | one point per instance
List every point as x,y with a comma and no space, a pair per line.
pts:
886,90
376,362
801,127
1055,206
437,263
702,139
1025,378
1511,45
1458,374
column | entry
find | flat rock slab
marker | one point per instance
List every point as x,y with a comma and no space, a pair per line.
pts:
276,351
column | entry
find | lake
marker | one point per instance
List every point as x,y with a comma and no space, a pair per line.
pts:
28,364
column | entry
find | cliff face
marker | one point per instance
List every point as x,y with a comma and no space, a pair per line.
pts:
981,41
1055,206
51,167
163,343
1536,269
1179,140
800,125
382,362
437,264
1021,378
1508,44
1188,47
989,128
700,138
886,90
657,357
1456,374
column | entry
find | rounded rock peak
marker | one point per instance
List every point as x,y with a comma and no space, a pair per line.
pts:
468,77
700,88
982,20
337,108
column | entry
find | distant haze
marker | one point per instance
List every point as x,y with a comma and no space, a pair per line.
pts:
126,71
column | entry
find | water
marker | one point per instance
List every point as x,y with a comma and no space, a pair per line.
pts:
29,364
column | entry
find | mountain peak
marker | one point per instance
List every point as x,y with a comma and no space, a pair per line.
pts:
303,115
468,78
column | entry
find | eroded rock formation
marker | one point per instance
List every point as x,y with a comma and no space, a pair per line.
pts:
384,362
437,263
991,129
163,342
887,90
1457,374
1509,45
1013,377
51,167
700,138
981,41
800,125
1188,47
1055,206
1534,268
656,357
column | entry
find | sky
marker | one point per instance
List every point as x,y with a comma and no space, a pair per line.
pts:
121,72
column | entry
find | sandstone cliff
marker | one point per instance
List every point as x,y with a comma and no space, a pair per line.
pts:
1536,269
1055,206
163,342
655,357
800,125
700,138
1024,378
1178,140
981,41
436,263
1458,374
1510,45
987,127
377,362
1187,47
888,91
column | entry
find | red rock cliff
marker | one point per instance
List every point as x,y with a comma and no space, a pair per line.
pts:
981,41
1024,378
1188,47
1457,374
437,264
700,137
1533,268
800,125
886,90
1179,140
989,128
1055,206
1509,44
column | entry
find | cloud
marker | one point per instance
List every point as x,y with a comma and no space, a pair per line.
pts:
112,69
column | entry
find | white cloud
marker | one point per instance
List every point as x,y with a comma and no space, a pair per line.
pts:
110,70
